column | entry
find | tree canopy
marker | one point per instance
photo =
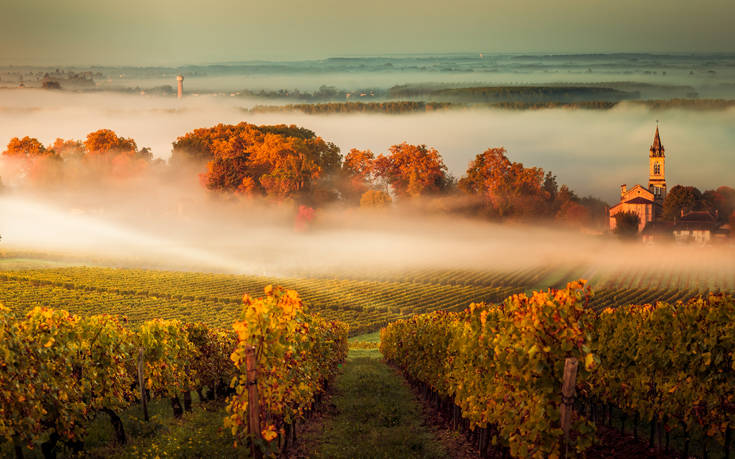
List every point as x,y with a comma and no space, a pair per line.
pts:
103,154
412,170
681,199
507,188
276,161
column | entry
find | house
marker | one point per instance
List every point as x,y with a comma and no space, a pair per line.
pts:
698,227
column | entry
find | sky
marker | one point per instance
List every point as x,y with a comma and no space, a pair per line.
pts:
175,32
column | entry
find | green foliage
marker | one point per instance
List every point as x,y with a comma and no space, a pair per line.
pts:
59,371
168,355
670,362
503,364
212,367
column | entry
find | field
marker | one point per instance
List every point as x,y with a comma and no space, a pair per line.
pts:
366,301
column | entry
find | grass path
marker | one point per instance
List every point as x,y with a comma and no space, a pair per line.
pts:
374,415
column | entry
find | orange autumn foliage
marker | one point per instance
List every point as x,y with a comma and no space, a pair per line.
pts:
276,161
506,188
413,170
103,155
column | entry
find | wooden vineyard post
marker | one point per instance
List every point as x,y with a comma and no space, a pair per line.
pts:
141,383
253,402
567,399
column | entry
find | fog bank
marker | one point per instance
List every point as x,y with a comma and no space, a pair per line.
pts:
592,151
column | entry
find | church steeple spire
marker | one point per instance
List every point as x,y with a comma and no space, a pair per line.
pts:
657,149
656,168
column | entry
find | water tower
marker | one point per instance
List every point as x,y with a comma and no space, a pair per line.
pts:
180,80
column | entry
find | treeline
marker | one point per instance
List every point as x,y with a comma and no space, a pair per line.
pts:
287,162
324,93
407,106
102,155
498,370
531,94
291,163
404,106
355,107
681,199
686,104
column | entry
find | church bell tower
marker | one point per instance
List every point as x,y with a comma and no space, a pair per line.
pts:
657,169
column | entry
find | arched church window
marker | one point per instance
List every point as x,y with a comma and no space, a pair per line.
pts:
657,169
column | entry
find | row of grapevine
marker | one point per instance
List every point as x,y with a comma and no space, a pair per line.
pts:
502,365
297,354
59,370
668,365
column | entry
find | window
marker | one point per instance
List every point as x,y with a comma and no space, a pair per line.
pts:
657,169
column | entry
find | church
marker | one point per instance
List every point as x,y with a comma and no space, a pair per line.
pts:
646,202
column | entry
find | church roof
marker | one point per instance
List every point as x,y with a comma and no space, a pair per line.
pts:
638,200
657,149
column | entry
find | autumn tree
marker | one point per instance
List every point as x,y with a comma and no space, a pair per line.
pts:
115,156
357,174
68,149
413,170
106,141
27,146
32,163
681,199
722,200
506,188
278,161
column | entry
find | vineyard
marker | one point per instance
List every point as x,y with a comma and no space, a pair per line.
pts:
471,360
498,370
61,370
366,305
215,298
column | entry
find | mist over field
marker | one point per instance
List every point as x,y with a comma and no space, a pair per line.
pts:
255,239
174,222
